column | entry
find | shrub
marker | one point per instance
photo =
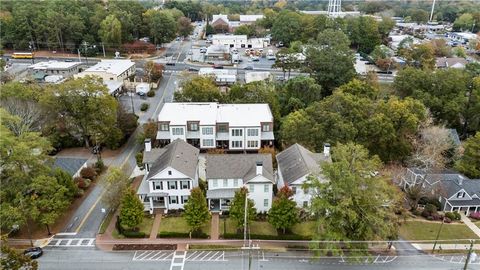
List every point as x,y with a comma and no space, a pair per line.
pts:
474,215
82,182
133,234
416,212
139,158
437,217
429,210
434,201
450,215
144,107
182,235
429,218
88,173
79,193
151,93
99,166
448,220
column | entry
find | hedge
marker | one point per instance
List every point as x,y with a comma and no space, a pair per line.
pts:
267,237
182,235
133,234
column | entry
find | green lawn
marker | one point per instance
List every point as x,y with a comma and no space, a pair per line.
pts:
178,224
306,228
257,227
418,230
146,225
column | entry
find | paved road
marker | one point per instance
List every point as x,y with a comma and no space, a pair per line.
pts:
213,260
88,217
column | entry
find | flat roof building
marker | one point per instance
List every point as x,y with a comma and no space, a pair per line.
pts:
213,125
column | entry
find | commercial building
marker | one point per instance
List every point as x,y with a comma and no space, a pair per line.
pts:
64,69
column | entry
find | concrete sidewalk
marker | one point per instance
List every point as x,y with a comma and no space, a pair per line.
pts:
214,226
440,247
470,224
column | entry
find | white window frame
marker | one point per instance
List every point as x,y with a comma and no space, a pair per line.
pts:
182,198
252,132
169,187
266,128
164,127
177,131
183,182
172,198
251,187
265,202
210,142
237,132
266,188
214,183
207,130
252,144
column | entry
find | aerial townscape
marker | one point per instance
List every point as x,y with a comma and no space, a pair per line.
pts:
239,134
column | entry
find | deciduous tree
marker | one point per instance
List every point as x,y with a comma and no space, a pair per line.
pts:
196,210
237,208
199,89
116,182
111,31
329,60
469,163
131,211
184,26
355,203
284,212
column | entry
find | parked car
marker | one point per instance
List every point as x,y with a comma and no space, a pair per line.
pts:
255,58
192,69
248,68
33,252
216,66
203,50
190,52
170,64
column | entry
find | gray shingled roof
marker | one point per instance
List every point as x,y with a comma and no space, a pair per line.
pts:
70,165
238,166
179,155
474,201
297,161
450,182
152,155
223,193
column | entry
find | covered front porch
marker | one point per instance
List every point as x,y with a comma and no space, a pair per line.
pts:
219,199
152,201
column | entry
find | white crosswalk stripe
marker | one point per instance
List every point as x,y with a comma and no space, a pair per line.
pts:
72,242
191,256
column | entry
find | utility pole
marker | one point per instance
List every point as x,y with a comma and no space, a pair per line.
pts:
103,47
85,44
31,47
468,255
438,235
431,12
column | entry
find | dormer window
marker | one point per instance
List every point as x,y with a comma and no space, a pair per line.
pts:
169,172
461,194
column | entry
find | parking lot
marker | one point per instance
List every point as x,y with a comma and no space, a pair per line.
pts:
195,55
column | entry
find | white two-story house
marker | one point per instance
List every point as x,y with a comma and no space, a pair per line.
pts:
172,172
295,164
241,127
227,173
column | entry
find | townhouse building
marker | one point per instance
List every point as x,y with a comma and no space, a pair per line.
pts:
235,127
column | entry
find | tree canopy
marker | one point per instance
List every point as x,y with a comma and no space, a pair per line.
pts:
354,203
284,212
196,210
237,208
469,163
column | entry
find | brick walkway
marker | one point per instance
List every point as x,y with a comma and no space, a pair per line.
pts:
214,226
155,226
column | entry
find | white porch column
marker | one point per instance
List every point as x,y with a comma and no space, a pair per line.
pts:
151,204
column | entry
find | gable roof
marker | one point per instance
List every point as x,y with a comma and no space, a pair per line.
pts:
238,166
179,155
296,161
450,182
150,156
70,165
453,62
